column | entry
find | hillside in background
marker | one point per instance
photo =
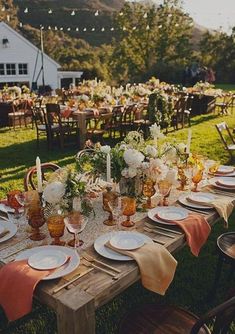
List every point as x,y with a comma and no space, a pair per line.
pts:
84,18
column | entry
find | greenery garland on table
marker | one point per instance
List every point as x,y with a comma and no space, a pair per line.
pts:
160,109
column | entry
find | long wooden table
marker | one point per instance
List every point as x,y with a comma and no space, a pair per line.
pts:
75,307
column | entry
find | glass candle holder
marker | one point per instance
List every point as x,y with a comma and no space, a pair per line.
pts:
110,199
55,225
164,187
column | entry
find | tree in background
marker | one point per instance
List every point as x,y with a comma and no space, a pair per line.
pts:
9,12
151,39
217,51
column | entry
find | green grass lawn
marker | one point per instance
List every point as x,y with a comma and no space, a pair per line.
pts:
194,275
229,87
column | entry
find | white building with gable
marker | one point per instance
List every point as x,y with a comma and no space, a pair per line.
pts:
20,62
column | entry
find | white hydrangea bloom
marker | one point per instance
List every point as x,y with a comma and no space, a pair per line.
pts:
133,158
105,149
54,192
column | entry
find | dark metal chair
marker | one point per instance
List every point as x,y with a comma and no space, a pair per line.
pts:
159,319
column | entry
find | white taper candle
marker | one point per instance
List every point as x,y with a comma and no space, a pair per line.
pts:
39,174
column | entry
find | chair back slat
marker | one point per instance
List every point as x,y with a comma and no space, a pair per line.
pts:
223,314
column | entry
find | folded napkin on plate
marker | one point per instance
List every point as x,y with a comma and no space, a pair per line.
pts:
17,283
224,207
157,266
196,229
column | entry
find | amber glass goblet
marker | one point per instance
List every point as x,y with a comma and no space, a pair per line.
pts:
196,178
36,220
164,187
13,202
148,191
55,225
128,209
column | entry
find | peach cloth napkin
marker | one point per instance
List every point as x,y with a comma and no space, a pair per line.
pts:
157,266
196,229
17,283
223,206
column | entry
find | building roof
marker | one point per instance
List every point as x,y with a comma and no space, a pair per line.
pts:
26,41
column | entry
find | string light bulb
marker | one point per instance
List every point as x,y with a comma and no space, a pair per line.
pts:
77,29
3,9
121,13
103,29
68,29
84,29
50,11
93,29
73,13
97,13
56,28
148,27
145,16
26,10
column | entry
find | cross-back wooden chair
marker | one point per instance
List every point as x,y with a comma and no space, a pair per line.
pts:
98,127
181,112
18,116
223,105
141,121
226,137
159,319
115,121
31,175
56,126
128,118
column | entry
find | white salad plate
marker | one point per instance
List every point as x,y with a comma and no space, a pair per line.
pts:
183,199
47,259
216,182
153,214
171,213
65,269
201,197
127,240
101,249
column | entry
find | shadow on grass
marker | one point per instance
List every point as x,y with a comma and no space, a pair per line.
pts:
203,118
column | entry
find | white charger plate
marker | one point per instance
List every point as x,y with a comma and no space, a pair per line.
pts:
65,269
127,240
213,181
108,253
12,228
170,213
183,200
202,197
47,259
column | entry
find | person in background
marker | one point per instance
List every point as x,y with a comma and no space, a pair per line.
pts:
210,76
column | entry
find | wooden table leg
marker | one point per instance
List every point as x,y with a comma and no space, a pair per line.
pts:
82,129
75,313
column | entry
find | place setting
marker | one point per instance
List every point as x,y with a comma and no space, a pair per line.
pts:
193,224
132,245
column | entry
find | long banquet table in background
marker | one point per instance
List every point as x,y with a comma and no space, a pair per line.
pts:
75,307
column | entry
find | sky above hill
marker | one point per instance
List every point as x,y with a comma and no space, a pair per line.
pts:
213,14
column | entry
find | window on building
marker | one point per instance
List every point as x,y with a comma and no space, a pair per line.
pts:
11,69
23,69
2,69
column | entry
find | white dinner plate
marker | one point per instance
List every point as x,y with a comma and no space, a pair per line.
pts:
153,214
201,197
183,200
127,240
65,269
12,228
47,259
226,182
214,182
101,249
171,213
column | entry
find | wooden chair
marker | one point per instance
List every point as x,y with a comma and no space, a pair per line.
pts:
226,101
164,319
39,120
98,127
141,121
226,135
55,125
182,111
115,121
31,174
128,119
225,246
19,114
